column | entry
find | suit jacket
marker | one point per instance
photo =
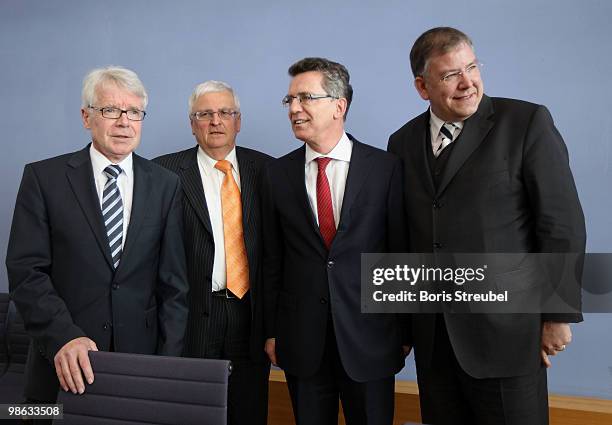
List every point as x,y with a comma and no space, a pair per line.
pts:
304,283
507,187
199,242
60,269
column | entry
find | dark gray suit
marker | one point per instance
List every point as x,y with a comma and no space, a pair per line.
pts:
506,187
313,295
205,336
61,274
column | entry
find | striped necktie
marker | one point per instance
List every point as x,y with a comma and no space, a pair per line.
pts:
112,212
446,131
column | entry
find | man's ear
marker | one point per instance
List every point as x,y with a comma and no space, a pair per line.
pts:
421,86
341,106
85,117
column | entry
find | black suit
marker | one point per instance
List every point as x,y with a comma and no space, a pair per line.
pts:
60,269
312,295
249,379
506,187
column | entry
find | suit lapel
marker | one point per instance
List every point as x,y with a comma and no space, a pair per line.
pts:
418,144
140,202
474,131
191,181
247,184
80,177
357,175
296,175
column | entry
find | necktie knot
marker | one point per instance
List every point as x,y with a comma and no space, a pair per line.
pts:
224,165
322,162
113,171
447,130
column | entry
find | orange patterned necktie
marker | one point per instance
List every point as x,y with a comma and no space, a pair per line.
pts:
236,262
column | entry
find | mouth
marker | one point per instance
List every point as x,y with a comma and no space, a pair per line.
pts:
299,121
465,97
120,136
216,133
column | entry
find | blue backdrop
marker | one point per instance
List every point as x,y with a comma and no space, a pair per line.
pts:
552,52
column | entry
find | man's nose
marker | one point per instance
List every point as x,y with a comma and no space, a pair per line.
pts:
294,105
123,119
465,81
215,119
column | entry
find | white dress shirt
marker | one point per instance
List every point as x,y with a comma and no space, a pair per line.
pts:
212,179
435,124
125,182
336,172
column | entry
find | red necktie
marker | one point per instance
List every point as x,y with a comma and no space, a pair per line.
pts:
325,209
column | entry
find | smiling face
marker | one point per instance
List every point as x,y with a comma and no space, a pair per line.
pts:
320,122
453,100
113,138
217,137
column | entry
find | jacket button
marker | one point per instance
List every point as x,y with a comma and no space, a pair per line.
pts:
323,301
437,245
106,326
436,204
115,286
330,264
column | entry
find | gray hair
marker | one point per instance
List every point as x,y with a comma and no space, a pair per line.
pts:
335,77
434,42
212,86
122,77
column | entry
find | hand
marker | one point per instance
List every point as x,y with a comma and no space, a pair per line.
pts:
270,349
407,349
70,360
555,337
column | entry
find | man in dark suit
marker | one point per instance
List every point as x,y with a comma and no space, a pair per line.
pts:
95,258
324,205
483,175
226,311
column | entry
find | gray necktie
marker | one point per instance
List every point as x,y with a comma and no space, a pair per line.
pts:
112,212
446,131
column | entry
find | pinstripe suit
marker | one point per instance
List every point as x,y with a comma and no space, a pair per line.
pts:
248,382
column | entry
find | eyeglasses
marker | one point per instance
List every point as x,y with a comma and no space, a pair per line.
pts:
113,113
224,114
304,98
455,76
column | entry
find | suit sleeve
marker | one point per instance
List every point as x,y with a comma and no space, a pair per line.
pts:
559,220
272,255
172,285
397,230
29,263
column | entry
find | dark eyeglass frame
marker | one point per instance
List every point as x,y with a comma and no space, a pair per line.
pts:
106,110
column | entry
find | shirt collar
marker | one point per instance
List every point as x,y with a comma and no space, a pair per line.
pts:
99,162
341,152
208,163
436,123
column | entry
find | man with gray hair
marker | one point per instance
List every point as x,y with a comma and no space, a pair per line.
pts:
484,175
95,258
221,209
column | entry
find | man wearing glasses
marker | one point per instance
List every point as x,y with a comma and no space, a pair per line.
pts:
223,243
484,175
323,205
95,258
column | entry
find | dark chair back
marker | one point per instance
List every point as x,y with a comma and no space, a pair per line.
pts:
15,347
143,389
